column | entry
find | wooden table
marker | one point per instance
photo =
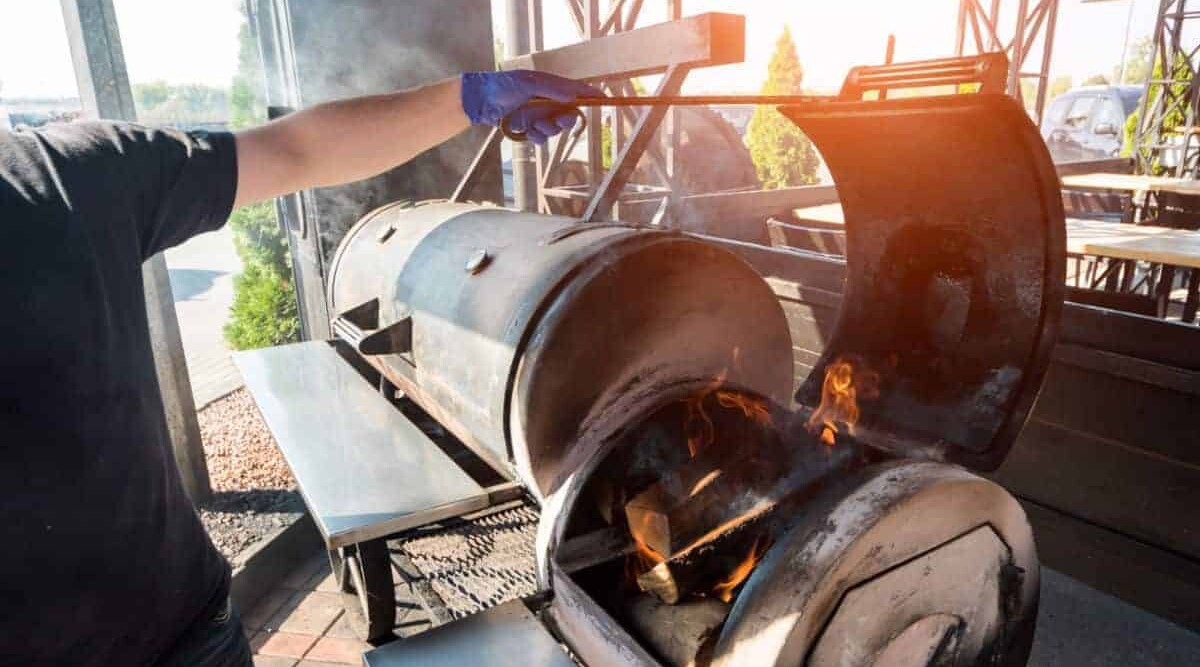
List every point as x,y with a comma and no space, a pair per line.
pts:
1120,241
1177,247
1131,183
1160,245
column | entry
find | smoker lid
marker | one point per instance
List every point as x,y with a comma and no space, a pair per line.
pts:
955,250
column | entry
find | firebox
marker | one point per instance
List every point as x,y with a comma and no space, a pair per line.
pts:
636,385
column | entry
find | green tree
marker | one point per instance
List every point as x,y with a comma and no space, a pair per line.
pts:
1174,121
247,103
1137,62
264,310
1095,80
782,155
149,96
1059,85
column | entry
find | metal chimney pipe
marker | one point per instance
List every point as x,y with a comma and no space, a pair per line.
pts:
517,43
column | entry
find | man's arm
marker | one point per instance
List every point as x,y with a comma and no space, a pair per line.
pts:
352,139
345,141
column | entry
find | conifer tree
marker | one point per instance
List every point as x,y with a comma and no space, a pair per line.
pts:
782,155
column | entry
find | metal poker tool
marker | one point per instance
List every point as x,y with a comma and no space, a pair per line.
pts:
575,107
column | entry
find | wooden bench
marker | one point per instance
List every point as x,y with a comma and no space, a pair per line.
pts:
365,471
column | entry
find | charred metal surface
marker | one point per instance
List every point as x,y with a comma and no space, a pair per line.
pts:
857,543
551,348
955,268
593,634
576,320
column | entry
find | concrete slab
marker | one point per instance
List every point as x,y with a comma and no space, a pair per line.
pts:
201,272
1078,625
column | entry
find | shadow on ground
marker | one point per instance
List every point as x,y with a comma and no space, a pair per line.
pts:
188,283
257,501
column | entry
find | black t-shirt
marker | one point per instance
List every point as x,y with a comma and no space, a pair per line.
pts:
103,560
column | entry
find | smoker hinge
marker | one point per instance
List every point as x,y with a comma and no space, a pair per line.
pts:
359,327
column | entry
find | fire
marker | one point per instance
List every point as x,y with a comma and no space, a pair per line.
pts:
698,425
643,558
841,390
724,589
754,409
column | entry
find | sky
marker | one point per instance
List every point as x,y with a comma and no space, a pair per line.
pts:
195,41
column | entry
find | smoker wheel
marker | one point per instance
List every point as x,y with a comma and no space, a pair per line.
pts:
364,575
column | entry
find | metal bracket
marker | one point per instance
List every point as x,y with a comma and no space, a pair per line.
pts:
475,171
359,327
626,161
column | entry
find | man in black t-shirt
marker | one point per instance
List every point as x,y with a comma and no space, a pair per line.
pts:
104,561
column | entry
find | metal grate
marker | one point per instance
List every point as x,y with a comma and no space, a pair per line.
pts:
476,564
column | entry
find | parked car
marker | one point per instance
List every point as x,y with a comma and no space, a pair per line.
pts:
1088,123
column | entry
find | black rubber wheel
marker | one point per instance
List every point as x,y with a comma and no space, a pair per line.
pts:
364,575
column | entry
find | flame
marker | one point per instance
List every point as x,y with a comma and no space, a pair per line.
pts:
643,559
724,589
703,482
841,390
698,425
755,409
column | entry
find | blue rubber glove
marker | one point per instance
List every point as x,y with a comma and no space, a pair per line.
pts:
487,97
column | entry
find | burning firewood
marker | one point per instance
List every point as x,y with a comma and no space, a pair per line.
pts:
683,635
715,487
715,563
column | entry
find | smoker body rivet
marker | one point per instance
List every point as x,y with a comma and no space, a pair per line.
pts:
386,233
478,261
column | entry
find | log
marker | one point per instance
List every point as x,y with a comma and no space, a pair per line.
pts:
710,490
681,635
710,560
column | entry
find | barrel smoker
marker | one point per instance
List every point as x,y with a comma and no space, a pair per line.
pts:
698,504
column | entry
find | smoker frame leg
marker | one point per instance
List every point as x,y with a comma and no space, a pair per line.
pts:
364,576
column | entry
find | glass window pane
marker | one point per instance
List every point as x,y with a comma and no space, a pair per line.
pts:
37,82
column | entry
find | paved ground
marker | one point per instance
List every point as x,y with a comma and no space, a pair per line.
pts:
202,273
1078,625
301,624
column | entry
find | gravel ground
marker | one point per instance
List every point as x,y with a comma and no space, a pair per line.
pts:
254,492
240,451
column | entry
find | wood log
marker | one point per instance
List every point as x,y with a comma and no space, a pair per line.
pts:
681,635
687,502
711,559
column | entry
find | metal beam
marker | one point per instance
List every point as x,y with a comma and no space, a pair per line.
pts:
1161,146
104,89
627,159
704,40
1033,19
723,206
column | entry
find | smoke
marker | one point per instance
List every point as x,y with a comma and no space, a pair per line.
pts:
346,48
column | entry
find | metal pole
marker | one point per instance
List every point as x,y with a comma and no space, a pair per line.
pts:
104,89
1017,55
517,43
1125,43
595,119
1047,56
960,33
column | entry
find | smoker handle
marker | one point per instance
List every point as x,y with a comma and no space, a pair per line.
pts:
395,338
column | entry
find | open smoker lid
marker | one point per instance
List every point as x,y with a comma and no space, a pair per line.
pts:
955,251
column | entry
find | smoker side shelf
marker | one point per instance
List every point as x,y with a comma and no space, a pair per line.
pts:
364,469
504,636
